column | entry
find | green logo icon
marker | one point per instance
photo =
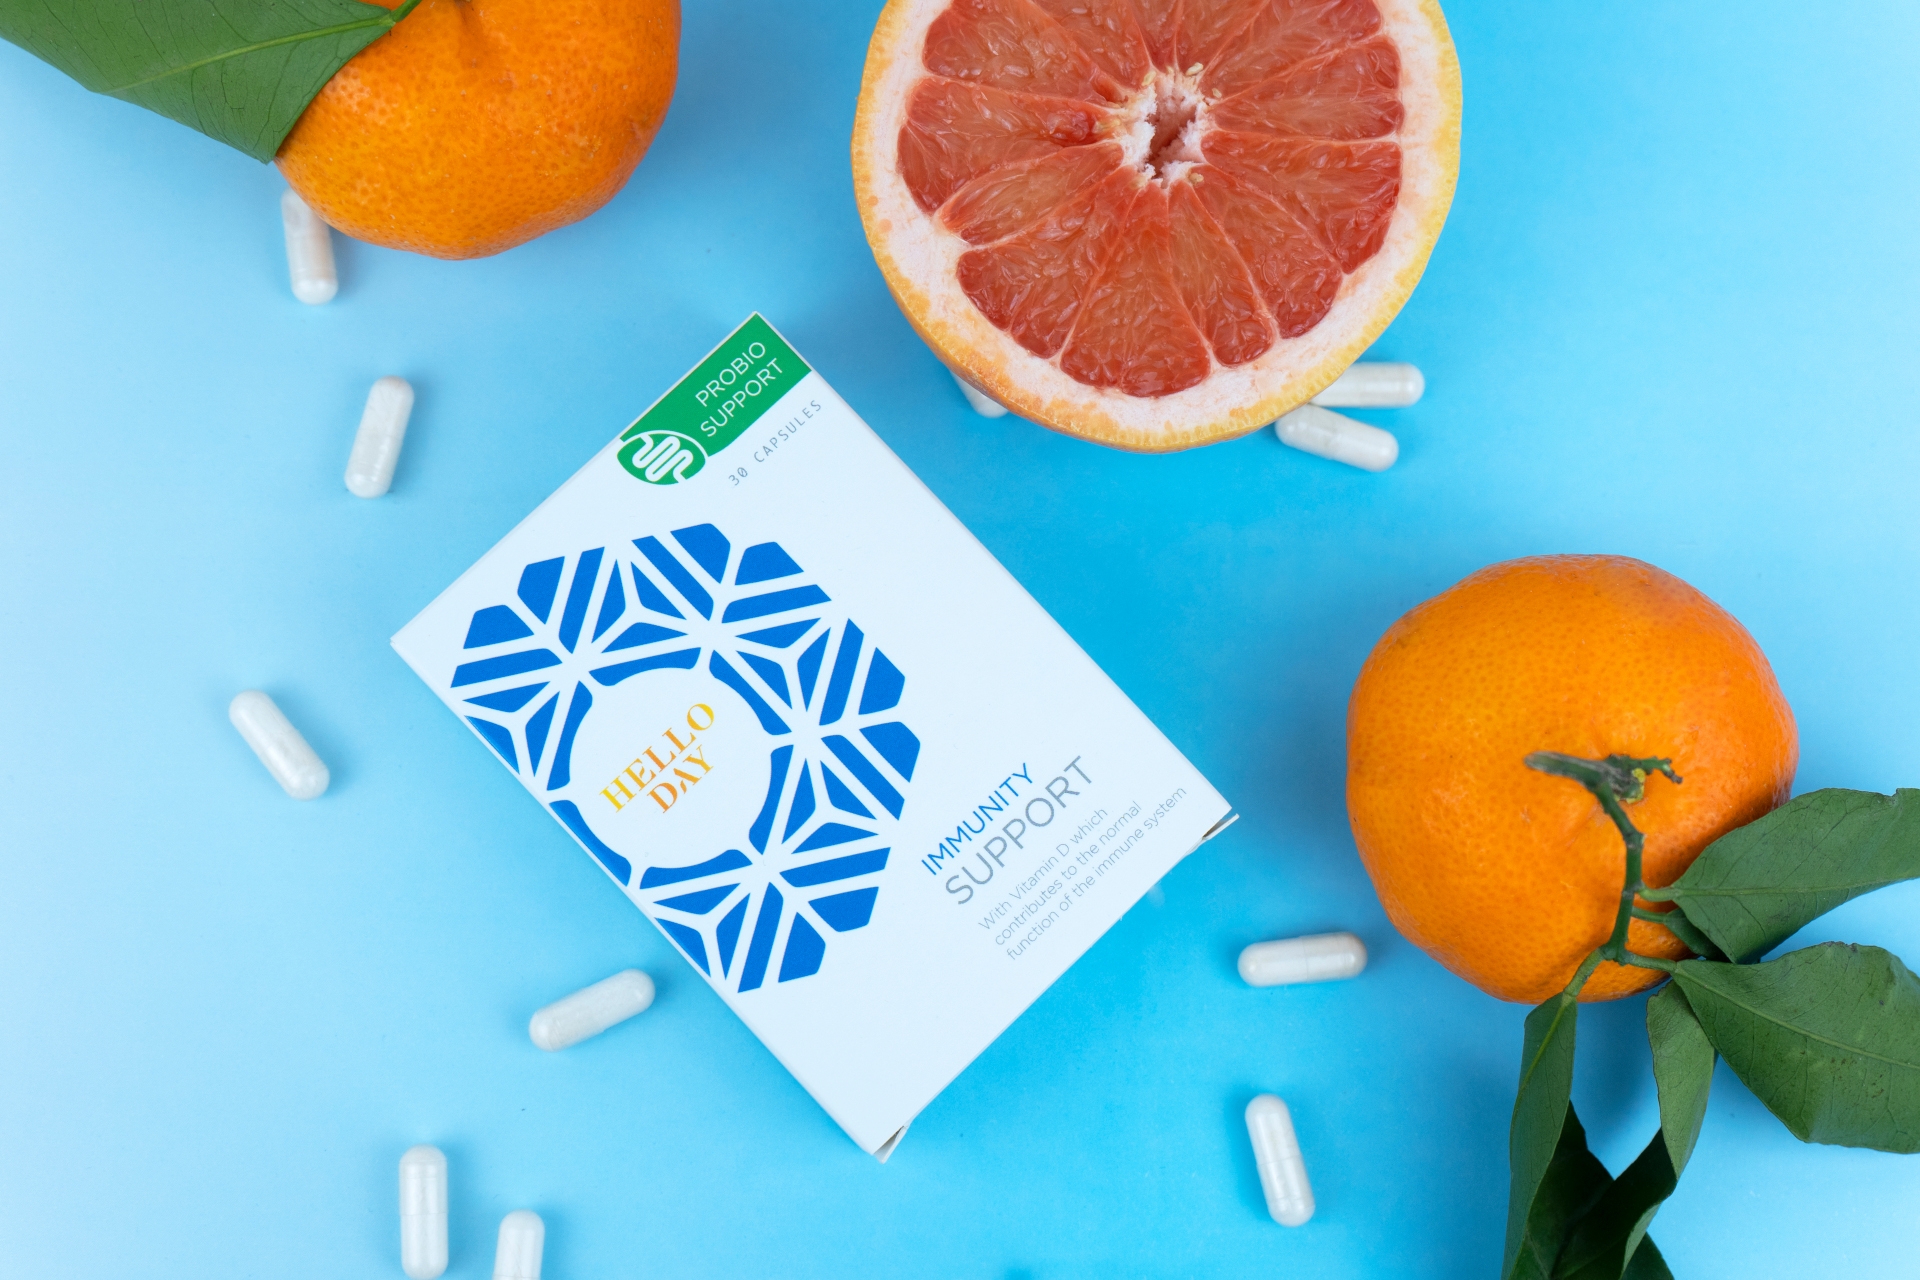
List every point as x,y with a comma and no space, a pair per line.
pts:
661,456
711,407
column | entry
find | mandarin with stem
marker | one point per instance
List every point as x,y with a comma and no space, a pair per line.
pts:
1508,876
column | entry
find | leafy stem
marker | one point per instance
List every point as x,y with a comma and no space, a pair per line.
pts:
1616,781
1584,972
1828,1037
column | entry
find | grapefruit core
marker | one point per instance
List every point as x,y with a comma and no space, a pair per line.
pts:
1155,223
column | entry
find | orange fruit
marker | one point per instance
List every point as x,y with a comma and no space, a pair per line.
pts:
1155,223
476,125
1510,877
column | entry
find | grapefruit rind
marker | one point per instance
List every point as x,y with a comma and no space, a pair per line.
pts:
917,257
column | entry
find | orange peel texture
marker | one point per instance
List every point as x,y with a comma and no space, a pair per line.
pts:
1511,877
476,125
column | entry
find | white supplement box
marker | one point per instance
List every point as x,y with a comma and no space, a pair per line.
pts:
813,730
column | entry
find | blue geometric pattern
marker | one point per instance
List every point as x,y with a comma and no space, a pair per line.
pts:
839,757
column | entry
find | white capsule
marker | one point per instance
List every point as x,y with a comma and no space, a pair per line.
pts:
1374,385
591,1010
423,1212
293,764
1327,434
523,1237
376,445
983,404
309,251
1323,957
1276,1153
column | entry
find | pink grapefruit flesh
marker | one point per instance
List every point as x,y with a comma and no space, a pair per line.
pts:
1155,223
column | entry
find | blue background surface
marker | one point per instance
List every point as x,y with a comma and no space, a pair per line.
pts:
1673,316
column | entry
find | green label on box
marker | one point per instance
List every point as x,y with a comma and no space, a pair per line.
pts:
711,407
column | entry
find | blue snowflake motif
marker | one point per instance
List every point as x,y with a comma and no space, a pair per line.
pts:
835,776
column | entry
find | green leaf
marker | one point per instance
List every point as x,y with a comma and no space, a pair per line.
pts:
1613,1233
1828,1037
1574,1181
1757,886
1675,922
239,71
1647,1264
1682,1071
1541,1114
1605,1240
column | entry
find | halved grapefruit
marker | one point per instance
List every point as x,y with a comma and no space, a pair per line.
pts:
1155,223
